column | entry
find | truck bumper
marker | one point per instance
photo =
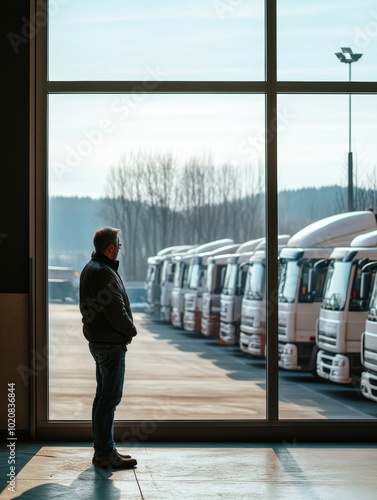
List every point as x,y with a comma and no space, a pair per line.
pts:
244,341
165,314
176,319
334,367
211,326
192,321
228,334
288,357
257,345
368,385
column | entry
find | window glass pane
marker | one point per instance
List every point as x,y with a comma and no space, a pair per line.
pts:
156,40
311,33
322,314
175,170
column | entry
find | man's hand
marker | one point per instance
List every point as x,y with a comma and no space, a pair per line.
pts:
129,341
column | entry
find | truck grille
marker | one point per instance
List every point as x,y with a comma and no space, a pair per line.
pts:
248,321
326,338
282,332
370,361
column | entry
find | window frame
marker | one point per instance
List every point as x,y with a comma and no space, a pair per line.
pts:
272,428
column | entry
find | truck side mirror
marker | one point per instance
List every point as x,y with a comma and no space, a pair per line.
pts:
312,280
365,284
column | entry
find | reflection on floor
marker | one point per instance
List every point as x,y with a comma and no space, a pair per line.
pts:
196,471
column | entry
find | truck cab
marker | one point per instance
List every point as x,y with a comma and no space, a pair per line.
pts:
232,292
153,281
213,286
192,319
303,264
253,310
368,382
180,283
192,295
167,277
298,307
343,312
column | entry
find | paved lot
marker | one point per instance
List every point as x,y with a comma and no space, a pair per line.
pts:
172,374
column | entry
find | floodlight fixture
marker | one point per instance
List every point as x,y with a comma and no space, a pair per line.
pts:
347,56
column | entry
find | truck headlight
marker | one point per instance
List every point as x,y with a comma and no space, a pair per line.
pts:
340,362
288,351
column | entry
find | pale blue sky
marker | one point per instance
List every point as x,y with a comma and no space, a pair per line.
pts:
208,40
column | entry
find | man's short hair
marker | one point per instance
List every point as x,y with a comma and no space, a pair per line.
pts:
104,237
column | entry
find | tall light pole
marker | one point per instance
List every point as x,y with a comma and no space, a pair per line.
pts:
348,57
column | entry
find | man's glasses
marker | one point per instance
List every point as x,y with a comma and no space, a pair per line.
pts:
119,245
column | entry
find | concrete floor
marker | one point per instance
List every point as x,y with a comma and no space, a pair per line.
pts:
177,375
190,471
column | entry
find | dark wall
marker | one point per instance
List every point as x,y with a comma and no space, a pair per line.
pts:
14,171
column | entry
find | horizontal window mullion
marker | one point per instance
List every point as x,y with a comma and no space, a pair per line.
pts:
210,87
326,87
155,87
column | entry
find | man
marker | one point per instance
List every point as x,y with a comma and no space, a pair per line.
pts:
109,328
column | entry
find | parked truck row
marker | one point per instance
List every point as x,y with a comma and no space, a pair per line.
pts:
327,296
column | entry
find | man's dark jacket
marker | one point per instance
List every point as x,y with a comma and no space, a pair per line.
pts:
104,304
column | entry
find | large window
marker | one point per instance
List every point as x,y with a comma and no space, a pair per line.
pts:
171,171
184,41
183,123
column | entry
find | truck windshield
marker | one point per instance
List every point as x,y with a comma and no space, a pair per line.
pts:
336,285
178,273
209,277
288,280
164,272
230,281
255,280
194,277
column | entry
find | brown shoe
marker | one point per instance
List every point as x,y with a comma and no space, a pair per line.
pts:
113,461
121,454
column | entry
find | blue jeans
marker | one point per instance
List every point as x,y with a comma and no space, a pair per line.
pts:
110,369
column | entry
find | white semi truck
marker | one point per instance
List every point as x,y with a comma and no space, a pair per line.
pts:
192,318
181,277
180,280
344,312
167,276
368,382
253,310
232,292
153,280
303,267
213,286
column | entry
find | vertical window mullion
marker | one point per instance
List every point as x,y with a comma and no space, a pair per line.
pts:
272,377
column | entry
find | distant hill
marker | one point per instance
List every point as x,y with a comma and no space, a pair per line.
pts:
73,220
